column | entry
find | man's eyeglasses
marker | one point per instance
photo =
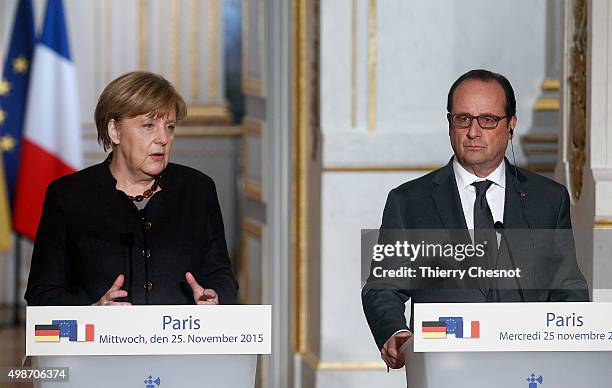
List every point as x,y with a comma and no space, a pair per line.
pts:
464,120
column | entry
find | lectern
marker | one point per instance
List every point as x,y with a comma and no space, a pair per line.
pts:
510,345
149,346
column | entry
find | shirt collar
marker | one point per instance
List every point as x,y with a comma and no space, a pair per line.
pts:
465,178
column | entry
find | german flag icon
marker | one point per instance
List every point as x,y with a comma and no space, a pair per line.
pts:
433,329
46,333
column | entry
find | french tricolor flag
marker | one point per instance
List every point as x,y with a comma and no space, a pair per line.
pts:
471,329
85,332
51,144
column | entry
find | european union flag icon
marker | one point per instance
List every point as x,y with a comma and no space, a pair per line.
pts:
68,328
454,325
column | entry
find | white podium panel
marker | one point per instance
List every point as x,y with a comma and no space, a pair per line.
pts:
197,371
148,330
510,345
149,346
513,327
508,369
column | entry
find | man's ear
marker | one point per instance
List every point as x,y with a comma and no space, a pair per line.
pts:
113,132
512,126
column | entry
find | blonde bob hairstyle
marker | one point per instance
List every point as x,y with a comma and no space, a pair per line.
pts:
133,94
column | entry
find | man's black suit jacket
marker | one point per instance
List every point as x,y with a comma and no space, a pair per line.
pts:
433,202
90,232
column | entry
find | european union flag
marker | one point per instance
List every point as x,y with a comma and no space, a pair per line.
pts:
68,328
454,325
14,91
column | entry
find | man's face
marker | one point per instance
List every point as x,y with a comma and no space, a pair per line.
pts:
478,150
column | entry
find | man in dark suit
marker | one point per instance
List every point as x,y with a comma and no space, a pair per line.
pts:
480,190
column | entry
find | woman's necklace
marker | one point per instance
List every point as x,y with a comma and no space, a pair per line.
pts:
148,192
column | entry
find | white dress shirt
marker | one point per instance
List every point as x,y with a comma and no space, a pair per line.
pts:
496,194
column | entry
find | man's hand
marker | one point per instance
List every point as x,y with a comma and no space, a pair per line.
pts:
113,293
201,295
390,352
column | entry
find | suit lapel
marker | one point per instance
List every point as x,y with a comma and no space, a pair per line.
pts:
448,203
515,188
517,231
449,206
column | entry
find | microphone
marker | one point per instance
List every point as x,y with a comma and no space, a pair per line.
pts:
499,228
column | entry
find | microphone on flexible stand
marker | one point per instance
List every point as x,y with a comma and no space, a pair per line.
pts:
499,228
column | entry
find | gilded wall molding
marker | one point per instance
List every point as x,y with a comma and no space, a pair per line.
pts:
251,86
382,168
578,96
214,16
300,173
94,155
208,114
541,150
178,152
551,85
108,45
538,138
208,131
250,229
194,57
252,189
316,364
369,168
539,167
175,41
372,62
603,223
306,129
188,131
547,104
354,63
544,144
143,33
168,37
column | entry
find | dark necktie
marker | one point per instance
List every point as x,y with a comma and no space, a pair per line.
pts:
484,229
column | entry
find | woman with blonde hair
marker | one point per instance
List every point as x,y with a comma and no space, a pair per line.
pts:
134,229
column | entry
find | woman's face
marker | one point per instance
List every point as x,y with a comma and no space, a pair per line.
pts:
144,142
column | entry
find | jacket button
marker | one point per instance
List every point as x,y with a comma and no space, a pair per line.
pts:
146,253
148,286
148,225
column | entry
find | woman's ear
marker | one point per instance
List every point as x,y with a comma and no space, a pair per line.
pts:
113,132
